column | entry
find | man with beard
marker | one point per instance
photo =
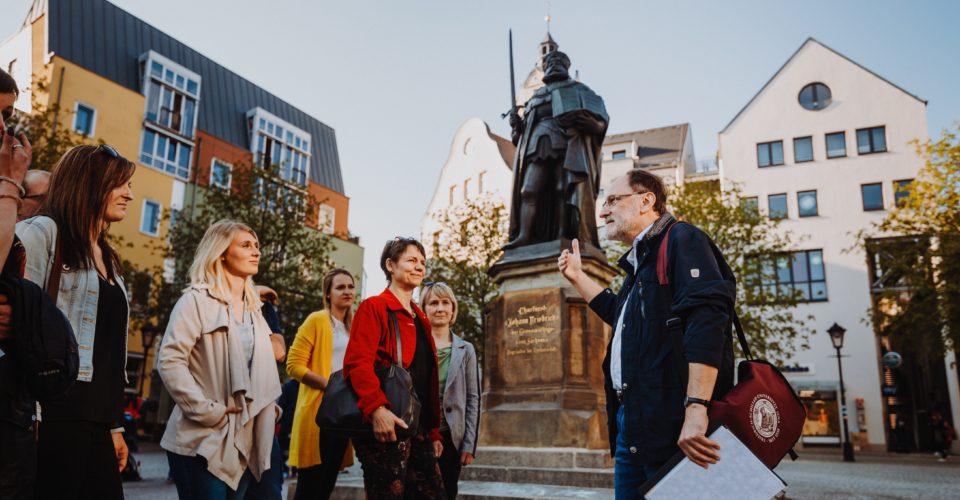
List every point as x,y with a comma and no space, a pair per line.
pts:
557,168
651,414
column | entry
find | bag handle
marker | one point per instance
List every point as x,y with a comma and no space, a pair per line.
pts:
675,323
398,359
53,286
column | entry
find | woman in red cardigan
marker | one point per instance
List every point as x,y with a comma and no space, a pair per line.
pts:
390,466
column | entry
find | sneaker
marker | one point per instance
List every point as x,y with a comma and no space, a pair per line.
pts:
941,460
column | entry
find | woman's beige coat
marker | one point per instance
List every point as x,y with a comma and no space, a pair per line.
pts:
203,367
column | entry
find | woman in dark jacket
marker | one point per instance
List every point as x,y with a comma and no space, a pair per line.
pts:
389,464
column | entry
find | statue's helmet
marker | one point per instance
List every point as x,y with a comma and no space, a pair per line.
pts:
555,66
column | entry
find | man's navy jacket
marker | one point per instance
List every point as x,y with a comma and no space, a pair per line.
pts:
704,291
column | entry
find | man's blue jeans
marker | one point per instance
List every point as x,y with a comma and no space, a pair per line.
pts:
270,486
195,482
629,474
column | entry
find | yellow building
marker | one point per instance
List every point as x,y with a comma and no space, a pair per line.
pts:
181,116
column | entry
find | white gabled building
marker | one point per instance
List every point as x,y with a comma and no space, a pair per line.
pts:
825,144
479,162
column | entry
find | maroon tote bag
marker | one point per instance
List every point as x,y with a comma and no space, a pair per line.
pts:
762,410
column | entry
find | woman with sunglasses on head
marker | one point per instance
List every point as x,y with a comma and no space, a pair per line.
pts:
318,351
392,467
218,365
459,385
80,449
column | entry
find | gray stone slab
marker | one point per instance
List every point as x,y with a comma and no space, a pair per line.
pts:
543,458
581,478
352,489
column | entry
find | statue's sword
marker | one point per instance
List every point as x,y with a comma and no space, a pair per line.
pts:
513,93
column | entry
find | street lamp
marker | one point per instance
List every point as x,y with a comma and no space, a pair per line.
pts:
148,332
836,336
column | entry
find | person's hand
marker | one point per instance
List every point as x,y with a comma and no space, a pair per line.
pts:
585,122
6,318
15,157
120,446
570,262
267,294
515,121
437,448
279,347
466,459
383,425
229,410
693,440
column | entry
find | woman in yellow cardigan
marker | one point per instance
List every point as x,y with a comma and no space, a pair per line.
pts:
316,353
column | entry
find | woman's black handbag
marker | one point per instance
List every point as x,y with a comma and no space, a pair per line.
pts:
338,409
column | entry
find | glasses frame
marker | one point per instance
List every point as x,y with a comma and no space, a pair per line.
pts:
108,149
431,283
613,199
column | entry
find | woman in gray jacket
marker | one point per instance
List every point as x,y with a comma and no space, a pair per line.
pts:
459,385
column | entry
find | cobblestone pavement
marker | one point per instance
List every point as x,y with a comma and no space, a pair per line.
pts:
813,477
874,478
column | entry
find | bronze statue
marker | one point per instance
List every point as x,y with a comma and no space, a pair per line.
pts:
556,172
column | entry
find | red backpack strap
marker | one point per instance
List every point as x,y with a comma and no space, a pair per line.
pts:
663,274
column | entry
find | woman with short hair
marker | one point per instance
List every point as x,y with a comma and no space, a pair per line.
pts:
218,364
391,467
80,448
459,385
317,352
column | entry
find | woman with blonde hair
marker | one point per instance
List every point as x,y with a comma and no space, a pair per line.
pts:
217,363
459,385
316,353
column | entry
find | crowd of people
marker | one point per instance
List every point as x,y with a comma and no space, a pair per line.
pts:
218,357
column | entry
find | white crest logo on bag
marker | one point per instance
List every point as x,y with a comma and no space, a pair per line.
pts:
765,418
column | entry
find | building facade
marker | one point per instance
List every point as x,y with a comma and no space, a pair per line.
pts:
825,146
184,119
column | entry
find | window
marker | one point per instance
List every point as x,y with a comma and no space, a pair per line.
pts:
171,95
807,201
803,149
901,191
619,155
751,205
150,218
770,153
84,119
871,140
836,145
278,143
453,193
872,196
466,189
480,182
221,174
778,206
327,215
165,154
788,274
814,97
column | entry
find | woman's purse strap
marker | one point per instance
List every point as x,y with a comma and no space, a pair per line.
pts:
398,360
53,286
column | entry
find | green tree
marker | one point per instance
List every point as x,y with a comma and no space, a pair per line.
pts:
469,241
754,247
48,128
915,254
294,257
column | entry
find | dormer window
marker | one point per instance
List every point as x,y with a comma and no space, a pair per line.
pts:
171,94
274,141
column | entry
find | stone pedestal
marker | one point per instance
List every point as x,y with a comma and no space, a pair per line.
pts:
543,384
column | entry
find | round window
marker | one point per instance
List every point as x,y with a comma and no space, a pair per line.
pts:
468,146
815,97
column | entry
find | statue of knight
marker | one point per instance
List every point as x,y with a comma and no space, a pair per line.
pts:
556,172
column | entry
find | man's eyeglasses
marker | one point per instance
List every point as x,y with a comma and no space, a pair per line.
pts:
409,238
109,150
613,199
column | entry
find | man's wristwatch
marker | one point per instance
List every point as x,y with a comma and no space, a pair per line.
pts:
687,401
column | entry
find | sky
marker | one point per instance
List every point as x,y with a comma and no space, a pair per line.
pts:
397,79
